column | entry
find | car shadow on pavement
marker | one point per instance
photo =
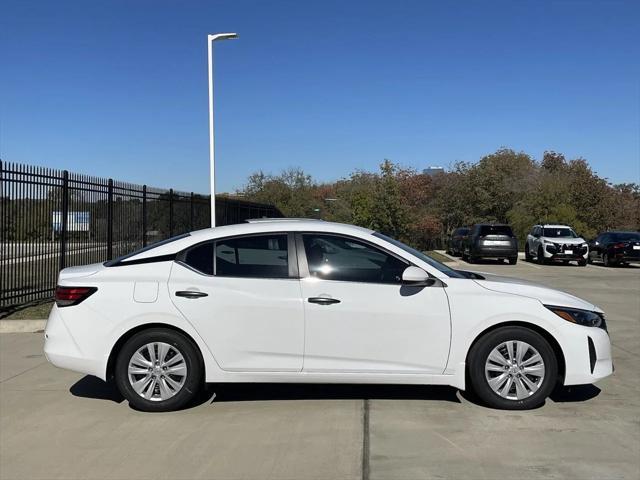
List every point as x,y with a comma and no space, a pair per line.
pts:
575,393
95,388
484,261
247,392
92,387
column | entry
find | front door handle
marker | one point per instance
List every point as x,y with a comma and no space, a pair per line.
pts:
323,300
190,294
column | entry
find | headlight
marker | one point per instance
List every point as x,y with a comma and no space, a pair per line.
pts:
581,317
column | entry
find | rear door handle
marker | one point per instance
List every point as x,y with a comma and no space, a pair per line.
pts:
190,294
323,300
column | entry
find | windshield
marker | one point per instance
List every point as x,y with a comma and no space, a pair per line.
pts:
115,261
558,232
450,272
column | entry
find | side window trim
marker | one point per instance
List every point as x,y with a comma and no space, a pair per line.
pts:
303,266
292,259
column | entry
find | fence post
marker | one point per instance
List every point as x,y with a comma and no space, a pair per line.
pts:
191,214
144,215
65,214
110,220
171,212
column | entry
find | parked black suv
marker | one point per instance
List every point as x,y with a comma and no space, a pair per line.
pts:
614,248
491,241
456,241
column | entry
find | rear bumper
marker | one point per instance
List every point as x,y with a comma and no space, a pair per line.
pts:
61,349
626,257
495,252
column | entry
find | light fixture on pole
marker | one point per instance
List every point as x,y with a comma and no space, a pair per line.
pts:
212,164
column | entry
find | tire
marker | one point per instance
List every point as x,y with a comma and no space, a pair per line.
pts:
582,263
178,389
607,261
513,261
527,253
516,395
540,258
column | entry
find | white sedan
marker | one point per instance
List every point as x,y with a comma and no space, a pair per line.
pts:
311,301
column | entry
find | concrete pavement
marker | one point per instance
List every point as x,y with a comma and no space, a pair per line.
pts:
56,424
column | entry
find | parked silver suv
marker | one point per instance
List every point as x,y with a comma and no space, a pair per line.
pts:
548,243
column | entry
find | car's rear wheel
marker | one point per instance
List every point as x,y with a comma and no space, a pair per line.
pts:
513,260
159,370
512,368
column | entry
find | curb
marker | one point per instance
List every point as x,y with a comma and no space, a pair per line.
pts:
22,326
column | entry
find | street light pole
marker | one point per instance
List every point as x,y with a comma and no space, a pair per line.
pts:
212,164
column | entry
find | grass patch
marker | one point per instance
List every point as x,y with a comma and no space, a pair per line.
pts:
28,312
438,256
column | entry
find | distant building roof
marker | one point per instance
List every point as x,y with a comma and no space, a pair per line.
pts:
433,170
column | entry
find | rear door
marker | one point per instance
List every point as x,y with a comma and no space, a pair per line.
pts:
243,297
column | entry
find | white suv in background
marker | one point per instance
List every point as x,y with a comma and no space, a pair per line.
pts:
548,243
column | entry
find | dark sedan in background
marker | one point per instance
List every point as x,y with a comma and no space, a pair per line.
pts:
615,248
456,241
491,241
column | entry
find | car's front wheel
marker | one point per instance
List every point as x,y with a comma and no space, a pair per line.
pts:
159,370
527,253
512,368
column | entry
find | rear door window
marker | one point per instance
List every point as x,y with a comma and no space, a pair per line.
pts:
257,256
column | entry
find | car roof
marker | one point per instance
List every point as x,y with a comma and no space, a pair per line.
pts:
552,225
279,225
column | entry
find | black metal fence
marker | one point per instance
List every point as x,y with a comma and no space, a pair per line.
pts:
52,219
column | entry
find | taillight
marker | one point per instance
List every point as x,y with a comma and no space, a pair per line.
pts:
620,245
67,296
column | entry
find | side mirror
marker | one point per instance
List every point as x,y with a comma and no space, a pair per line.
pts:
536,235
417,277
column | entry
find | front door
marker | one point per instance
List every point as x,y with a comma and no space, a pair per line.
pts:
358,316
242,296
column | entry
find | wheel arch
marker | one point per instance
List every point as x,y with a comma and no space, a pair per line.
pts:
113,355
557,350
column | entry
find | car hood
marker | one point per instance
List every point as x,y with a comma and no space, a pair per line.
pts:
565,240
546,295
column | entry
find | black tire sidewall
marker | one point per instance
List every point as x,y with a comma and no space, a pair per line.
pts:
478,356
193,360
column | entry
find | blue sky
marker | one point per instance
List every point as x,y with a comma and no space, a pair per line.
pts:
120,88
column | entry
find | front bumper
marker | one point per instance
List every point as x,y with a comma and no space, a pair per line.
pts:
587,356
555,253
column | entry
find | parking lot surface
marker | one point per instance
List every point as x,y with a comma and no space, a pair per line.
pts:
56,424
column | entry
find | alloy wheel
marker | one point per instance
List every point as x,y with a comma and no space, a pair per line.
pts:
514,370
157,371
